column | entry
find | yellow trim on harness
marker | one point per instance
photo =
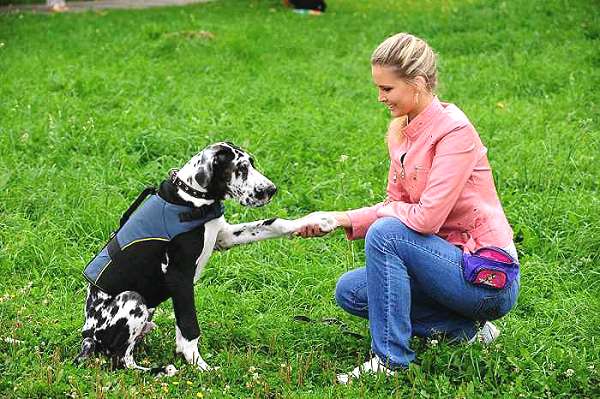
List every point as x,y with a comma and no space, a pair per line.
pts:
127,246
144,239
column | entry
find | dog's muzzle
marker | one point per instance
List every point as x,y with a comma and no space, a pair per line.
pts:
263,195
267,193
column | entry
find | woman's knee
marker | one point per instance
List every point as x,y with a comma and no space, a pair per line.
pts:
384,227
343,290
350,290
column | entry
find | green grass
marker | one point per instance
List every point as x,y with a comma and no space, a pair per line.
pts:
95,106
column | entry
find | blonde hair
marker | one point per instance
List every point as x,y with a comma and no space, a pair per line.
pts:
409,56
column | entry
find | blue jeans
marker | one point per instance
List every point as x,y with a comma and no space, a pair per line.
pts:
413,285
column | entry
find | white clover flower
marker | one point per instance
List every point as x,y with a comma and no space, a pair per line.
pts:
569,373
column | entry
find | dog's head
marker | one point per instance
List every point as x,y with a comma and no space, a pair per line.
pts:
224,171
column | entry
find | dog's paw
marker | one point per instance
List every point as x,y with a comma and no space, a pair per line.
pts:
168,371
193,357
324,220
205,367
328,223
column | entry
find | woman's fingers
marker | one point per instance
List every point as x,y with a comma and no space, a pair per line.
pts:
317,224
316,231
306,231
311,230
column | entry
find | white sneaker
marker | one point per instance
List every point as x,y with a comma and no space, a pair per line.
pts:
486,334
374,365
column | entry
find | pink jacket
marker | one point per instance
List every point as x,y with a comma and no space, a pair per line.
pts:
440,182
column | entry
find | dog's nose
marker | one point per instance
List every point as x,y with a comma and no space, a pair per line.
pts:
265,193
271,190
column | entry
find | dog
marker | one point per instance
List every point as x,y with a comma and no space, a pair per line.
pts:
161,248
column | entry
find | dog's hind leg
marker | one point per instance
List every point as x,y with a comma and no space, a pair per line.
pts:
96,301
88,346
128,316
129,321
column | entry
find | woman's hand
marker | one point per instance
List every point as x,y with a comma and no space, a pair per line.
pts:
317,224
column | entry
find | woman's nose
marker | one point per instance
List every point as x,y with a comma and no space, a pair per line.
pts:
380,97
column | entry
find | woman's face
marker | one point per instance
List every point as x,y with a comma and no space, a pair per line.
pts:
395,93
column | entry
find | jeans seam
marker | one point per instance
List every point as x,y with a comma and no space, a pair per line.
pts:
387,307
387,253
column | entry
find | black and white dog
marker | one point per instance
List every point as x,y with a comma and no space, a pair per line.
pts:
161,250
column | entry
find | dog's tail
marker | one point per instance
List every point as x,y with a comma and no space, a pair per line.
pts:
88,346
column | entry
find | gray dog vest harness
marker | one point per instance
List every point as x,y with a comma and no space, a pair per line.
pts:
139,248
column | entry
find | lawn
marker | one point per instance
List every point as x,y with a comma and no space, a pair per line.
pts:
96,106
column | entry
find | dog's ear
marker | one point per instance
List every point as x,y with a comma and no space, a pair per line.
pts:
222,161
223,156
202,176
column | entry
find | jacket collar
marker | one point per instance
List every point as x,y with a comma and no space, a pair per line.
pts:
424,119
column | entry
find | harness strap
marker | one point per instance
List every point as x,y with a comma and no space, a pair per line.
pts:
204,213
147,191
113,247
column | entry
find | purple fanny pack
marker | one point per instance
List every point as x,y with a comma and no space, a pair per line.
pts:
491,267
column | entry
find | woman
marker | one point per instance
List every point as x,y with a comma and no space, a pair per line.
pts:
441,202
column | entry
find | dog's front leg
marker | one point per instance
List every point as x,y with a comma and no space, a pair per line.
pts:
244,233
189,350
187,331
179,277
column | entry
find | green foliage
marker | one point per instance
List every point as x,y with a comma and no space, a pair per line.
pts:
95,106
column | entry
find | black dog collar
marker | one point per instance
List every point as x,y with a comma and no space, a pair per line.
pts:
187,189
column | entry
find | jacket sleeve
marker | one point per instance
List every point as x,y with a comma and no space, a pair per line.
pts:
456,154
183,251
360,220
